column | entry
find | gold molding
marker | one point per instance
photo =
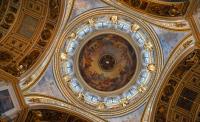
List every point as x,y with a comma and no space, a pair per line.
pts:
194,28
42,101
45,57
176,56
68,31
129,84
13,81
31,78
171,24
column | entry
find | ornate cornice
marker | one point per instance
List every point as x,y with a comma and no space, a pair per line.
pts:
170,23
23,47
37,101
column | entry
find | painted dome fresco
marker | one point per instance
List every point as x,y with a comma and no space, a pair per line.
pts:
107,62
100,60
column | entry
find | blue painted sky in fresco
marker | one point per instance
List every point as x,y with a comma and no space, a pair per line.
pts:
169,39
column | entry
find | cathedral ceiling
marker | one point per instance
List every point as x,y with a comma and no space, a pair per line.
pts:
27,30
99,60
52,116
180,96
107,61
164,13
165,8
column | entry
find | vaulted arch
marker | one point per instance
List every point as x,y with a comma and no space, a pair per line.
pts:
179,96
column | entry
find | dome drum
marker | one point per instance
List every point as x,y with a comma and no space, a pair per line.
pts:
110,62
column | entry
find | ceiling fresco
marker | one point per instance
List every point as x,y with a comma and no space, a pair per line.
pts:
103,47
46,85
159,8
9,10
81,6
186,98
169,39
52,116
26,32
100,60
107,62
134,116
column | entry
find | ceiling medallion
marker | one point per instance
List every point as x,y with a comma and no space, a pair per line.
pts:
107,63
